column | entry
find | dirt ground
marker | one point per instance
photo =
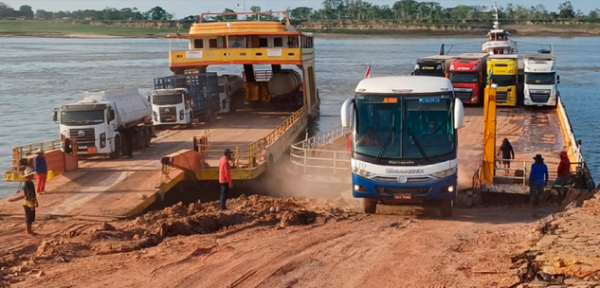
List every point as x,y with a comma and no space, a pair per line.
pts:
272,242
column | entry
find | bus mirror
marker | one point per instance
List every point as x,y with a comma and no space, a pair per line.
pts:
459,114
346,112
558,79
55,115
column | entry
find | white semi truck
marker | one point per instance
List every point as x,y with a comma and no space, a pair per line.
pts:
101,122
179,99
540,80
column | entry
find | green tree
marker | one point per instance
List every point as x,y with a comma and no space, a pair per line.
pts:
301,13
26,11
566,10
594,14
43,14
158,14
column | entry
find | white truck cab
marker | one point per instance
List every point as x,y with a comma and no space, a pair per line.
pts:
172,107
540,80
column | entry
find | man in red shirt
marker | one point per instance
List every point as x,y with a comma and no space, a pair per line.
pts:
225,181
564,175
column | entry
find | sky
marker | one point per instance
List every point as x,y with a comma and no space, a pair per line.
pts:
182,8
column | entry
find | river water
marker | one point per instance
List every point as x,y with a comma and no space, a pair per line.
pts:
39,74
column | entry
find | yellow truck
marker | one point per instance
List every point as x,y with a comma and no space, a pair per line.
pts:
504,71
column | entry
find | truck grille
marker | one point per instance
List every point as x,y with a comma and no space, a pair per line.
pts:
501,97
403,190
87,140
539,97
168,114
463,95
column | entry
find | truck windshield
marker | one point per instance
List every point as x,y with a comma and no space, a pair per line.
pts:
540,78
404,127
504,80
166,99
464,77
74,118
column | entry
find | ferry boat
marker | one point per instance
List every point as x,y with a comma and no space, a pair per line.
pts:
498,40
280,95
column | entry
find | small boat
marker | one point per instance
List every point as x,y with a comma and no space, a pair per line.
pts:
498,42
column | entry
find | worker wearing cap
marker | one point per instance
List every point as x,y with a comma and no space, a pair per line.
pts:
30,202
564,175
225,181
538,179
41,169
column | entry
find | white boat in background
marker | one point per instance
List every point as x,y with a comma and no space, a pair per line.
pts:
498,42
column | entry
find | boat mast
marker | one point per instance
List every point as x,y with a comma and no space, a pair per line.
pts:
496,20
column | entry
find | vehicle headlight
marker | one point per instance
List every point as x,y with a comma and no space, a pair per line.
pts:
102,140
154,115
361,172
444,174
417,67
180,114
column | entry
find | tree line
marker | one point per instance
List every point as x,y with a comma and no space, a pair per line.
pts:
334,10
155,14
434,11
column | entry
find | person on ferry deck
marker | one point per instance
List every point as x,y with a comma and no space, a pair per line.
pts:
225,181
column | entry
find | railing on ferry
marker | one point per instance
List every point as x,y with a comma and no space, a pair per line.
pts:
246,156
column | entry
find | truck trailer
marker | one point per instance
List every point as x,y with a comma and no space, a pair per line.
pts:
436,65
468,75
178,100
103,120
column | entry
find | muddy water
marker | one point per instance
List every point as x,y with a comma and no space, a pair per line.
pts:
37,75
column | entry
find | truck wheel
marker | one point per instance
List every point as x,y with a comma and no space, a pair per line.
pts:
140,139
446,208
115,154
191,124
370,206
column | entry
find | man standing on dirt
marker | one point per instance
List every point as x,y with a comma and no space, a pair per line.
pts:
225,181
40,167
538,179
30,202
129,143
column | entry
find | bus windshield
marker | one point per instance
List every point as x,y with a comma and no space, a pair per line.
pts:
398,127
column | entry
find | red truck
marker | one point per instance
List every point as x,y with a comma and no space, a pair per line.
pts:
468,73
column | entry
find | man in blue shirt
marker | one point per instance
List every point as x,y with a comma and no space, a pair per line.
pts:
41,169
538,179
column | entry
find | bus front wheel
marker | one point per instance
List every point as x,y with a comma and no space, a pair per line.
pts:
370,206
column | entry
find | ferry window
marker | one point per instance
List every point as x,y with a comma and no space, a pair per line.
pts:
236,42
198,43
212,43
278,42
264,42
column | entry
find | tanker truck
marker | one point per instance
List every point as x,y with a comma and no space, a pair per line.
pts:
179,99
284,87
100,122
